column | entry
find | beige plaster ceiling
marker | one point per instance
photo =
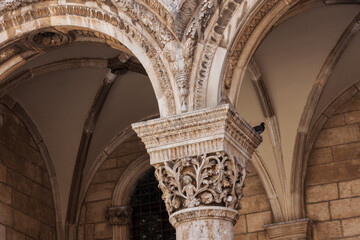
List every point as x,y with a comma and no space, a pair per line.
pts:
289,59
58,103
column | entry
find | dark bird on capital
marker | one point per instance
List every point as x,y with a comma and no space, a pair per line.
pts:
260,128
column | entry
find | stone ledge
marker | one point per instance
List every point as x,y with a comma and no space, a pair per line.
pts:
198,132
292,230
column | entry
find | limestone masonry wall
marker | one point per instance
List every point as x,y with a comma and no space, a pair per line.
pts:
255,211
333,176
26,201
92,223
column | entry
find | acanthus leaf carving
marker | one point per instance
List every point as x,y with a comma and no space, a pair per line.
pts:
215,179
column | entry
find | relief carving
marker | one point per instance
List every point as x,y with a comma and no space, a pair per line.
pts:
8,53
215,179
119,215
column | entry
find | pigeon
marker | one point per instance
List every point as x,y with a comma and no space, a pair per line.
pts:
260,128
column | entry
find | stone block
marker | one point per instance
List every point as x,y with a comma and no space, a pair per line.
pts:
334,172
81,232
109,163
100,191
89,231
26,224
12,160
328,230
47,233
253,186
345,208
43,195
109,175
14,235
321,193
263,236
252,170
318,211
95,211
256,221
257,203
346,151
351,227
240,226
102,231
249,236
33,172
124,161
6,216
353,104
352,117
320,156
335,121
2,173
19,182
41,212
337,136
349,188
2,231
127,148
5,193
20,201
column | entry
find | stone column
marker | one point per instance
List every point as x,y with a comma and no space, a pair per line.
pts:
200,161
120,219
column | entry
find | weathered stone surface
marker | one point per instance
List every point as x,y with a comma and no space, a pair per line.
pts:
318,211
263,236
352,117
26,225
102,231
5,193
100,192
256,221
2,173
257,203
253,186
347,151
41,212
43,195
109,163
328,230
334,172
2,232
349,188
345,208
95,211
109,175
296,229
322,193
250,236
320,156
351,227
352,104
339,135
89,231
19,182
240,226
335,121
13,235
6,216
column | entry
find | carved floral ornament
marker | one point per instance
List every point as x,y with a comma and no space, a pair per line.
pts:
206,180
119,215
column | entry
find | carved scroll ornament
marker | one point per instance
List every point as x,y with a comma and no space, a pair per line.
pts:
119,215
207,180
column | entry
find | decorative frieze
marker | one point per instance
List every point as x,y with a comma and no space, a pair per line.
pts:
119,215
195,133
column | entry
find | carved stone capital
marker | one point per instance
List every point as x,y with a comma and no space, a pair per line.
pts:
198,132
119,215
292,230
213,179
200,159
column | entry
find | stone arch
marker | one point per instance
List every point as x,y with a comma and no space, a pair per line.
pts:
54,20
332,175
